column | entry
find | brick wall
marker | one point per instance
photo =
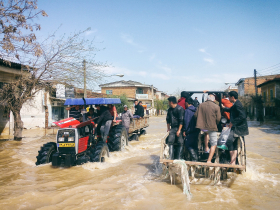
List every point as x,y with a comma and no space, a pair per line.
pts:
249,84
129,91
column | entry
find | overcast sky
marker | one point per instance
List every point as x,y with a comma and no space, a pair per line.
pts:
186,45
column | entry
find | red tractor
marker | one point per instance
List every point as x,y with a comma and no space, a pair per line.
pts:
77,142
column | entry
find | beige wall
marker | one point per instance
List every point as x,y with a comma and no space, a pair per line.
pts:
129,91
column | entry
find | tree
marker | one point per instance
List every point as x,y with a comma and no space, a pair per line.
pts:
124,101
61,62
17,37
161,105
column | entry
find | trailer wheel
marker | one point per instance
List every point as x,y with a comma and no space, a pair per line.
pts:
143,132
134,137
46,152
100,152
118,138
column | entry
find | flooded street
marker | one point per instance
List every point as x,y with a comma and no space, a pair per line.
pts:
132,179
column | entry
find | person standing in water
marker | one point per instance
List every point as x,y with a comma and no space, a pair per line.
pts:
126,118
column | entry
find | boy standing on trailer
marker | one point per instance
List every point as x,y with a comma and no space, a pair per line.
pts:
174,119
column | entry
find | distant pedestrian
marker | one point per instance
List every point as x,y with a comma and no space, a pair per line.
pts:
126,118
174,120
238,124
195,102
208,116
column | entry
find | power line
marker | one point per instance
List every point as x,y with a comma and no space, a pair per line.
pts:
270,67
276,67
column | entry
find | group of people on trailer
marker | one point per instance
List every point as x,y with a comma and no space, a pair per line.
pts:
187,118
103,116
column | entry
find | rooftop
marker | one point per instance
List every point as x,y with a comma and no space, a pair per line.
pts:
276,79
128,83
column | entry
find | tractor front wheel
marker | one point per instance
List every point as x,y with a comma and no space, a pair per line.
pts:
46,152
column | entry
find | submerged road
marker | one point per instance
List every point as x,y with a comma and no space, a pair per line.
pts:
133,180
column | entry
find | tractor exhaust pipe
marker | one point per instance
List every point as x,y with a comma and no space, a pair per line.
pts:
84,111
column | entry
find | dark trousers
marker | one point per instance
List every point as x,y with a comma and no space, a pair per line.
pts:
191,141
174,139
232,141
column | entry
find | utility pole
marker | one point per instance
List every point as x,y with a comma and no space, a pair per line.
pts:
255,76
85,80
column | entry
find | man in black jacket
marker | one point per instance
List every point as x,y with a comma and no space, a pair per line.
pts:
104,121
140,109
238,124
174,119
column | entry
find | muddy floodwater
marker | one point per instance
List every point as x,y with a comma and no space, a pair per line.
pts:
133,180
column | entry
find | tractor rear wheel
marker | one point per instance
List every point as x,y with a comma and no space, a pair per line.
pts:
118,138
46,152
100,152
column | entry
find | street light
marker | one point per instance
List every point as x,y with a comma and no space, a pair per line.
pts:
227,83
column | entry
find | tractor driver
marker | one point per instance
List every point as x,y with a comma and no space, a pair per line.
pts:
104,121
91,114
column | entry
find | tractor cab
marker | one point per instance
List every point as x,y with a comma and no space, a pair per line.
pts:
77,142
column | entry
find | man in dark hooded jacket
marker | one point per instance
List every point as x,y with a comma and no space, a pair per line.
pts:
190,131
182,100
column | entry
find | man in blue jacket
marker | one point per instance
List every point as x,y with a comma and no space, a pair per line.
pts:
190,131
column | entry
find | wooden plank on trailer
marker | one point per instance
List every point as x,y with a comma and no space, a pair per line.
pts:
206,164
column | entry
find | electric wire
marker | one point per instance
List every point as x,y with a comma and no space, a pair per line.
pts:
270,67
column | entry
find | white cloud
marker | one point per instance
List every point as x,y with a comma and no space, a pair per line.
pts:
202,50
90,32
209,60
129,40
152,57
124,71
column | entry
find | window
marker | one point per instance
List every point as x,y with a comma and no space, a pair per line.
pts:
271,95
139,91
109,92
264,96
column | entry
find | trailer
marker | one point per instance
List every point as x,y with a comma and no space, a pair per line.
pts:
137,127
217,170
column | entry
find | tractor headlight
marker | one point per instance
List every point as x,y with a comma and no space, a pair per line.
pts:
61,139
70,138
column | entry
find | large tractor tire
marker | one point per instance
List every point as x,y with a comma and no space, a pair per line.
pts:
46,152
118,138
100,152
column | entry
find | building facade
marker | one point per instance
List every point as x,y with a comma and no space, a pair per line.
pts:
270,91
132,89
246,86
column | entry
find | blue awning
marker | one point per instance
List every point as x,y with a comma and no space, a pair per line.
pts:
91,101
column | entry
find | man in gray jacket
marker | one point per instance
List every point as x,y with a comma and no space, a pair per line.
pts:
208,116
126,118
